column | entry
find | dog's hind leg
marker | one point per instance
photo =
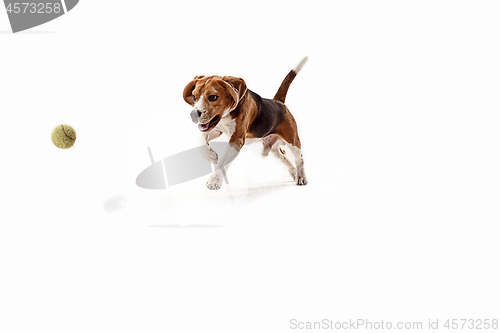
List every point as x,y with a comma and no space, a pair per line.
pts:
301,178
280,154
268,143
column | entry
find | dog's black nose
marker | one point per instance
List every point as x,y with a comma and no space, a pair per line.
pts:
195,116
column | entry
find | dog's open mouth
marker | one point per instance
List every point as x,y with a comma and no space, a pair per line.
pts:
211,124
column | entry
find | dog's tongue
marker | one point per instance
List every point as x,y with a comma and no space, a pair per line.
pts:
203,127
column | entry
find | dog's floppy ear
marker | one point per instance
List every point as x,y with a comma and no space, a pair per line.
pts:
236,87
188,91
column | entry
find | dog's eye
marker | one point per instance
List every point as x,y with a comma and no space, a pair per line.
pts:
194,98
212,98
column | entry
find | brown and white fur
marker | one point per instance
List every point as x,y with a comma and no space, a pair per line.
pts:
223,104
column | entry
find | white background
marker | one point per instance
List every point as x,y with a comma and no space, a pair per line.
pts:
398,114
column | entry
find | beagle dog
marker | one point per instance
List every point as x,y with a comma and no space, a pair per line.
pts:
223,104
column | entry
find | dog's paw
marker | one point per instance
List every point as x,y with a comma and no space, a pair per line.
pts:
293,173
209,154
301,180
213,156
215,181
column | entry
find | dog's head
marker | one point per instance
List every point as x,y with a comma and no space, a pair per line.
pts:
212,98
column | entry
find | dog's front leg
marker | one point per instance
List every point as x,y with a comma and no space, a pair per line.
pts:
232,150
207,152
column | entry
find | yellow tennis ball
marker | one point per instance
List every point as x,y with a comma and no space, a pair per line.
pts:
63,136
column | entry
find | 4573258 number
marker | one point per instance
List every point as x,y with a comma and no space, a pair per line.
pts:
471,324
34,8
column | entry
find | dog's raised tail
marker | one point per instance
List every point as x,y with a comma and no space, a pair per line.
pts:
281,94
